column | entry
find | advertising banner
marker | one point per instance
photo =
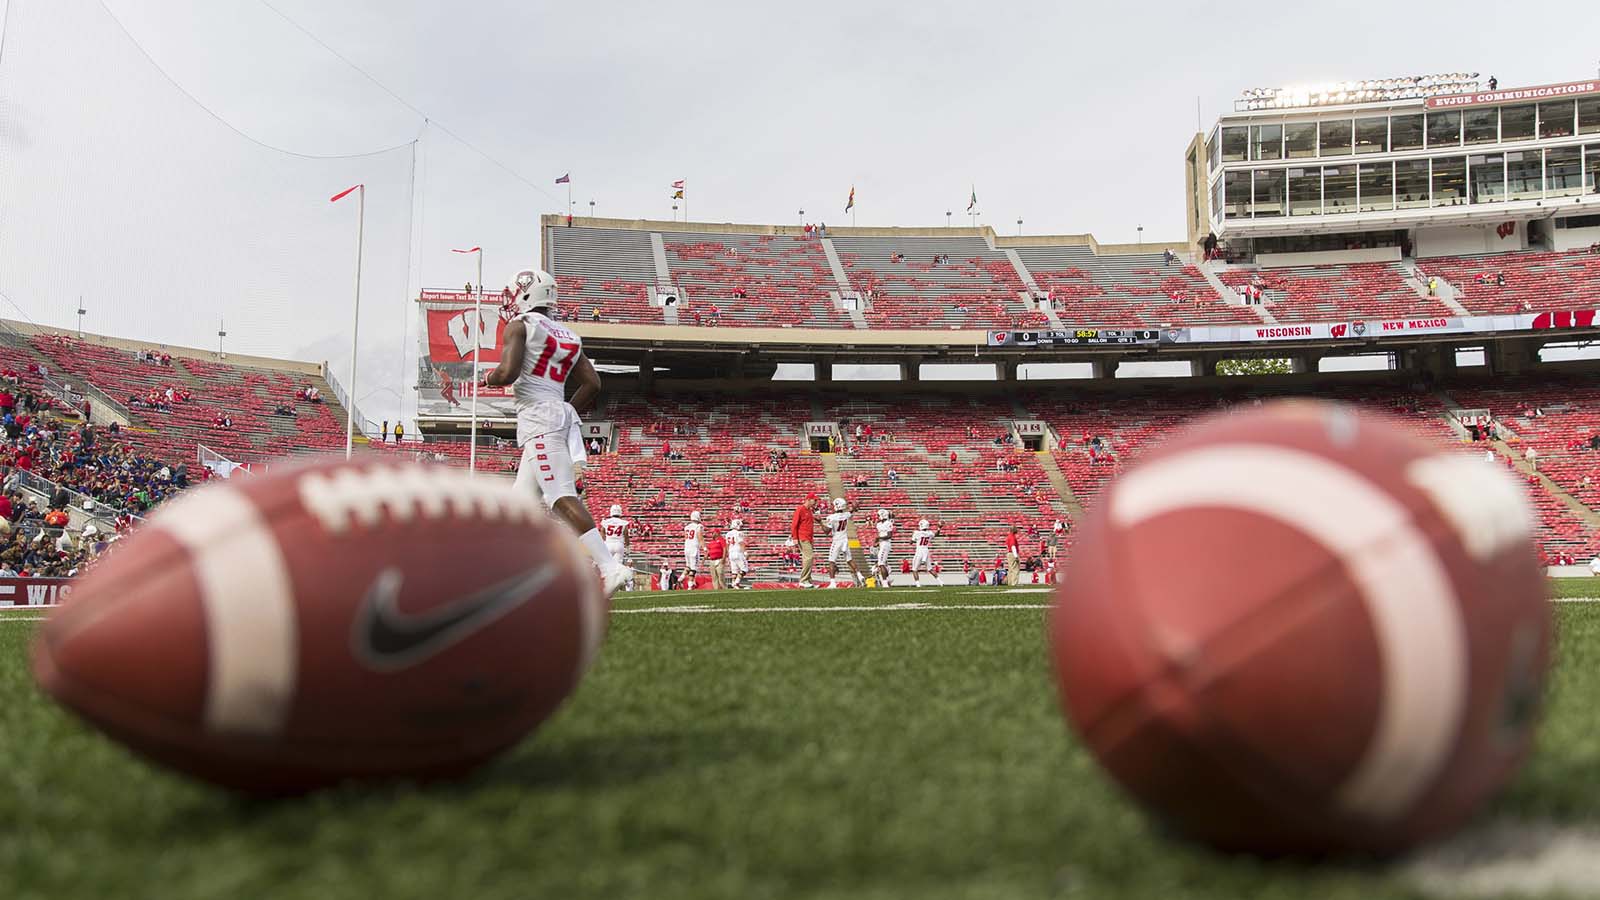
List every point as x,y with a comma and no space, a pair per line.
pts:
33,591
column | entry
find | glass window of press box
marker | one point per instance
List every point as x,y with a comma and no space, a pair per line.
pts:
1269,193
1589,116
1334,137
1300,140
1563,171
1488,177
1338,189
1482,126
1556,119
1266,142
1449,180
1372,134
1444,129
1591,168
1405,132
1411,183
1375,181
1235,143
1525,175
1305,191
1516,122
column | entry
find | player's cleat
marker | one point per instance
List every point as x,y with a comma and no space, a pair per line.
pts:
804,585
615,579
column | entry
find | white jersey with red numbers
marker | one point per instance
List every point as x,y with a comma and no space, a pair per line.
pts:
691,545
615,532
922,540
738,562
885,534
838,525
549,354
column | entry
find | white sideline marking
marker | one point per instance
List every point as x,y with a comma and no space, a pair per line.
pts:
22,619
896,607
1504,859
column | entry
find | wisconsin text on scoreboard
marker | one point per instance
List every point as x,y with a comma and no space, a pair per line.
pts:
1074,336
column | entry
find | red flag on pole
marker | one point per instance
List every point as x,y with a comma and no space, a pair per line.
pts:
472,250
342,194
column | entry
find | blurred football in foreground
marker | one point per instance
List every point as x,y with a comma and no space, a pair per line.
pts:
347,620
1299,629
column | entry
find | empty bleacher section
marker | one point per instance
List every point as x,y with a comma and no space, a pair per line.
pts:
604,269
990,486
1534,282
172,429
1333,293
936,282
1135,290
753,280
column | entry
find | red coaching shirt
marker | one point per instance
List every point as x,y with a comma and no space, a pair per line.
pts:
804,524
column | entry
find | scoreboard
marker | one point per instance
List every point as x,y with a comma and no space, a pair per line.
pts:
1074,337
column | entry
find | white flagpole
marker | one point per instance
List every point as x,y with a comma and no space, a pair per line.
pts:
477,348
350,390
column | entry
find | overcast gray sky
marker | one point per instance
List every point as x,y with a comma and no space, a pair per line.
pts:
1071,116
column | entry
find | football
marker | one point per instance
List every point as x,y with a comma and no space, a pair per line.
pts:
1301,630
329,622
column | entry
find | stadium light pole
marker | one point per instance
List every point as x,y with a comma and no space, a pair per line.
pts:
477,347
81,312
1141,235
591,209
222,332
355,327
947,218
1019,226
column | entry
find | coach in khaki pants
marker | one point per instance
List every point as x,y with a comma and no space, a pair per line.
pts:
1013,557
801,531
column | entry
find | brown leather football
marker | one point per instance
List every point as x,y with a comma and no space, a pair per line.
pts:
1300,629
329,622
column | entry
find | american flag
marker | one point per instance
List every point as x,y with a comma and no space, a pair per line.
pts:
565,179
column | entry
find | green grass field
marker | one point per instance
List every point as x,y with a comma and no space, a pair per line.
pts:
911,753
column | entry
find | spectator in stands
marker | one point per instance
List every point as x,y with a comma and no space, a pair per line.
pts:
222,420
1532,456
282,410
1169,257
385,438
894,476
1013,553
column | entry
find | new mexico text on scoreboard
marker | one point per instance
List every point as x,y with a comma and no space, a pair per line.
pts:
1074,336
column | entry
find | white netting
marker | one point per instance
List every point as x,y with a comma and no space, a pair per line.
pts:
116,186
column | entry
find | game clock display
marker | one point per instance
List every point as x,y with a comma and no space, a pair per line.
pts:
1074,336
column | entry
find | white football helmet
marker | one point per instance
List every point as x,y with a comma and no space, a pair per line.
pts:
923,524
838,504
694,516
883,515
616,510
531,289
736,524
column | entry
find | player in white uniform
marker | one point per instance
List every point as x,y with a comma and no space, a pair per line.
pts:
922,555
738,561
538,359
838,524
694,543
614,528
885,538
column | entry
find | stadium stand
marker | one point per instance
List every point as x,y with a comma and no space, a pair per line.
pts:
609,270
756,280
1335,293
1534,282
1139,290
938,282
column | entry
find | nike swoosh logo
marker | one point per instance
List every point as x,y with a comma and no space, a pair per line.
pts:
389,640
